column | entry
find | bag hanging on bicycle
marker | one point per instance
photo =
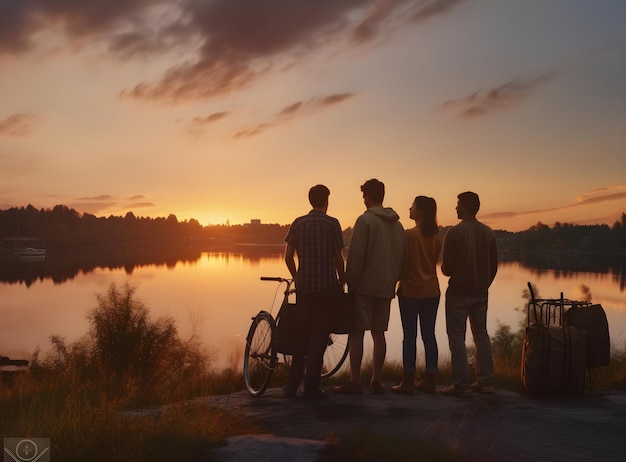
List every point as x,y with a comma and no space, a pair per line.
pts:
287,328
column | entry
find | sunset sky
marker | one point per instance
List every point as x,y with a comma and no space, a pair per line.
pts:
231,109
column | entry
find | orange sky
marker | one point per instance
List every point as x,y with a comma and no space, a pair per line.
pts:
231,109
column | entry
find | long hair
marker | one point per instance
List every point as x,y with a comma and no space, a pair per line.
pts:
428,218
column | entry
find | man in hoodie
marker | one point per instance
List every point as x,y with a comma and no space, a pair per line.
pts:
375,260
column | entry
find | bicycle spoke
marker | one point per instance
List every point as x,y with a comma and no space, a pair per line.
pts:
259,359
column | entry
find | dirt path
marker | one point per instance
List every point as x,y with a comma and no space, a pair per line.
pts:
505,426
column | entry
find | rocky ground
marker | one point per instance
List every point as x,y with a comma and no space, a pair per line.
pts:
504,426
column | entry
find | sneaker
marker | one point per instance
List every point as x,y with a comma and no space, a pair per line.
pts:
314,394
487,389
377,387
453,390
348,388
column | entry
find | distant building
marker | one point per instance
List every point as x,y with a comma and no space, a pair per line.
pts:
255,222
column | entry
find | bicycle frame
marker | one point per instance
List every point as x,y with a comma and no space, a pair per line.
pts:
261,351
287,292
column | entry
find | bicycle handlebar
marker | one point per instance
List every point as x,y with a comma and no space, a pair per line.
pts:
288,290
277,279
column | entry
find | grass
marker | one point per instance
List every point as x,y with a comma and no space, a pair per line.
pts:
84,425
84,396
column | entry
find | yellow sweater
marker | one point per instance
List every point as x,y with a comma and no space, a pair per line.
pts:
420,276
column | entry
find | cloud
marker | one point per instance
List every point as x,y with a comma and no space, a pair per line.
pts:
600,194
501,97
18,125
102,197
109,204
198,125
243,40
22,21
384,15
369,28
291,111
141,205
222,45
611,193
428,8
94,208
211,118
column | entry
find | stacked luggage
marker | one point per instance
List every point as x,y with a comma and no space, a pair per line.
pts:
563,340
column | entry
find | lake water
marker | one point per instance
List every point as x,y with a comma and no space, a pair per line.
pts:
214,295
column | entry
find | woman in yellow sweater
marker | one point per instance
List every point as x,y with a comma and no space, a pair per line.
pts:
418,296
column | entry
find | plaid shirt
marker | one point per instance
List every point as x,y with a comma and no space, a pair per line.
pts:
316,238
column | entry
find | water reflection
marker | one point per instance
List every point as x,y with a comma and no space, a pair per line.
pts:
569,265
62,266
213,295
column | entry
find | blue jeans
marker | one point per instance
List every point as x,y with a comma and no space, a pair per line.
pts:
424,310
458,310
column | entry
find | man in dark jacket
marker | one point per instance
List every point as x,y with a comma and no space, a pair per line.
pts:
470,259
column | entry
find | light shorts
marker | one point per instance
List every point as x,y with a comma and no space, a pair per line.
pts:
372,313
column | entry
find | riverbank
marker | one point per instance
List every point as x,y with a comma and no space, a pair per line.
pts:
506,426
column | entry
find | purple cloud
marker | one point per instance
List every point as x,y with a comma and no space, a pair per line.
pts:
225,45
428,8
297,109
495,99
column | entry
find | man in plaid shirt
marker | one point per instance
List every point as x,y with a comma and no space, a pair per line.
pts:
317,240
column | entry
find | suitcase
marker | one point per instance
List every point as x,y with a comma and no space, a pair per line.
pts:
592,319
553,361
554,353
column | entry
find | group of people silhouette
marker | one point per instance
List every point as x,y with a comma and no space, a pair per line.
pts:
384,261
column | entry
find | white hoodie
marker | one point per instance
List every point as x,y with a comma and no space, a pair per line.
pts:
376,254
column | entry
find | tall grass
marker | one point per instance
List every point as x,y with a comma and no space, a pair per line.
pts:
76,393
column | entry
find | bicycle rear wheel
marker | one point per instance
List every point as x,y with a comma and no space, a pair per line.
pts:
335,354
259,357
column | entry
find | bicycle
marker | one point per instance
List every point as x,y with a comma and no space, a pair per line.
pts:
261,352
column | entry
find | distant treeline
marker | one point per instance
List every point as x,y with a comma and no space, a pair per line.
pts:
563,237
64,227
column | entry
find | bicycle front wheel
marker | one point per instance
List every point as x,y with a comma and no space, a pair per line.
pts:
335,354
260,358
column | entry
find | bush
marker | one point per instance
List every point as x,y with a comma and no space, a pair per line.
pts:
127,344
128,355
